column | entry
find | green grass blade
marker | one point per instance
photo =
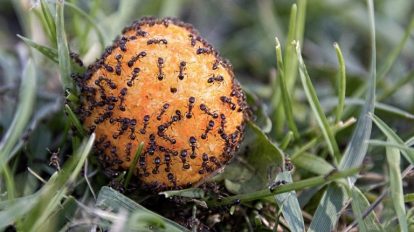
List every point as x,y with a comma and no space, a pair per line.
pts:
50,24
358,145
326,215
396,186
381,143
316,107
289,70
410,141
171,8
391,58
133,164
289,204
301,150
378,106
290,59
296,32
394,110
393,55
295,186
286,100
286,140
393,137
312,163
409,197
189,193
27,96
359,205
109,199
74,120
8,177
300,21
341,83
90,20
63,50
50,53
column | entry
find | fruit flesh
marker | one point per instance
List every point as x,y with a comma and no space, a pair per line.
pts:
162,84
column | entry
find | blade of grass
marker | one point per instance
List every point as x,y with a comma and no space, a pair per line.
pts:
390,60
410,141
393,137
304,148
8,177
295,186
328,103
393,55
391,144
296,32
358,145
316,107
125,11
341,83
393,110
330,205
286,140
396,186
109,199
289,73
287,103
133,165
50,53
189,193
49,22
377,201
90,20
312,163
326,216
171,8
74,120
359,205
62,49
289,204
409,197
300,21
27,96
290,59
312,143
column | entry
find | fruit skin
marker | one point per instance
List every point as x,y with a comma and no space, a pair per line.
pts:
162,84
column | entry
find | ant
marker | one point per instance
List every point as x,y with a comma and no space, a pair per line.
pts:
54,159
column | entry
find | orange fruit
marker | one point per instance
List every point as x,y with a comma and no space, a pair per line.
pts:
162,84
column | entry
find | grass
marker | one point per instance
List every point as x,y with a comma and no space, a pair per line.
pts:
345,128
